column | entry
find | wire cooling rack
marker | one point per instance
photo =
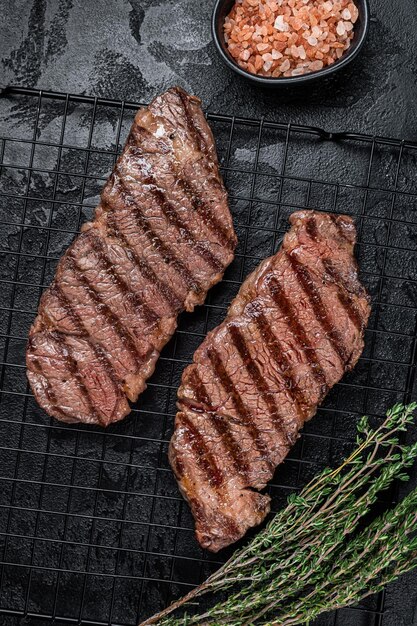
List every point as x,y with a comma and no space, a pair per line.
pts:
93,529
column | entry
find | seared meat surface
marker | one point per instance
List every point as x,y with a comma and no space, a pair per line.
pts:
161,237
296,326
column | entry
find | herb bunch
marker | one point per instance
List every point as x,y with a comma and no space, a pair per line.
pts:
311,557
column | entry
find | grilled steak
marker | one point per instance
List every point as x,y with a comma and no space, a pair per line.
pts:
161,237
296,326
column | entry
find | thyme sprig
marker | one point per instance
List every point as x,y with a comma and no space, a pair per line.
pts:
386,549
311,558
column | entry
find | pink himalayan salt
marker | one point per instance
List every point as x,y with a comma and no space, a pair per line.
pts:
279,37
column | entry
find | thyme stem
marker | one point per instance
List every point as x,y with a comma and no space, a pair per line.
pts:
311,558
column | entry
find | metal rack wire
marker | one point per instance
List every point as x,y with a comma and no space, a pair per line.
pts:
92,527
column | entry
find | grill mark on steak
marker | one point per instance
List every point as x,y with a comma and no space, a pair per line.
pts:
200,393
230,525
198,204
192,128
144,268
277,352
139,133
311,228
202,453
219,424
103,309
344,296
351,287
307,282
72,367
197,507
339,228
298,331
243,413
175,220
166,254
256,376
97,245
192,194
79,325
50,394
227,522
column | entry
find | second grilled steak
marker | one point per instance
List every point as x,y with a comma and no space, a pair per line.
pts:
296,326
161,237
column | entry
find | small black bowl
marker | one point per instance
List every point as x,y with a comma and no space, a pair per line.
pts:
222,9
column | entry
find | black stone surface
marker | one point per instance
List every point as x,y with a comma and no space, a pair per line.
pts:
134,49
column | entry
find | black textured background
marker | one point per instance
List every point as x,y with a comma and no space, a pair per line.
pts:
134,49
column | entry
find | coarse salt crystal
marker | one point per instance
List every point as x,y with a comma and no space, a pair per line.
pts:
276,54
285,66
316,65
267,66
296,23
312,41
281,25
340,29
346,14
258,62
353,12
301,52
245,55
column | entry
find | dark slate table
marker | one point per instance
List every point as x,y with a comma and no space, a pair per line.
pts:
134,49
